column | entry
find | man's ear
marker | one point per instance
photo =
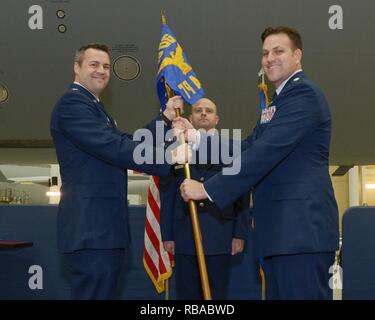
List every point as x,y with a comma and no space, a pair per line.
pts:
298,55
217,120
76,68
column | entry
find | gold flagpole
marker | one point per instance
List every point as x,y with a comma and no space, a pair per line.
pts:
166,285
262,86
193,213
195,222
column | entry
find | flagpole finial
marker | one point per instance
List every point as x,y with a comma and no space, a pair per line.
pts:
163,19
261,74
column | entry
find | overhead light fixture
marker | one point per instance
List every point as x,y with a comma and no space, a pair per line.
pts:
370,185
53,193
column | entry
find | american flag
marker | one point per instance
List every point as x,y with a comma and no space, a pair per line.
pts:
157,262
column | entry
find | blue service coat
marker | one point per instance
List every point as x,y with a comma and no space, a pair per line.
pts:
218,226
286,164
93,156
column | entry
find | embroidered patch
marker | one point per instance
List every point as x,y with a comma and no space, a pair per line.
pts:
267,114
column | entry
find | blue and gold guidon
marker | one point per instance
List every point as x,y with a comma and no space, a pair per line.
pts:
175,71
264,100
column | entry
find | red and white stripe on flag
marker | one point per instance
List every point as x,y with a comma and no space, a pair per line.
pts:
157,262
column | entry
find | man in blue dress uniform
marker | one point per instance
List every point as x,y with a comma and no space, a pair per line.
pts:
286,163
223,231
94,156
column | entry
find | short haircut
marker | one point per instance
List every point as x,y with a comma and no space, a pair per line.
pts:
78,57
292,34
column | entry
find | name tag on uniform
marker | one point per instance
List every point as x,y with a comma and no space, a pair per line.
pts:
267,114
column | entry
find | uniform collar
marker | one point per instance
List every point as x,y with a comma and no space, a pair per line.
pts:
77,86
282,85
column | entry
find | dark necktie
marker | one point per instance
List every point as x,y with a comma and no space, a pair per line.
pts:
113,122
273,97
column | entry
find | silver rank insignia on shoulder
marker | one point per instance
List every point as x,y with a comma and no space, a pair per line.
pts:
178,166
296,79
267,114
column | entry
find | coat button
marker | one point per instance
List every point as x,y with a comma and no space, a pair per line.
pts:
201,179
201,204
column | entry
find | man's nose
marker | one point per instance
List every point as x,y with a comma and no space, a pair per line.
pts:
270,57
100,69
